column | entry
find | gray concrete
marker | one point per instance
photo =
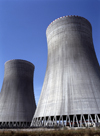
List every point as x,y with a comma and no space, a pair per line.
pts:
17,101
72,80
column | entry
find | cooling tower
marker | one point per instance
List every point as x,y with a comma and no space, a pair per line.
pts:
71,89
17,102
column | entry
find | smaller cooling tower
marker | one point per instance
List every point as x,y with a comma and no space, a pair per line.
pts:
17,102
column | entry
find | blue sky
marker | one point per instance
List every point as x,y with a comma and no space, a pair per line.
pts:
23,26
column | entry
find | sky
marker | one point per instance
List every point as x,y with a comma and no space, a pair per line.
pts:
23,25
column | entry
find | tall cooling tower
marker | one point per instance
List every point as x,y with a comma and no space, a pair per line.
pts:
71,89
17,102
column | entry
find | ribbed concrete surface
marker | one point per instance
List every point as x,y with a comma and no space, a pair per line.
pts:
72,80
17,102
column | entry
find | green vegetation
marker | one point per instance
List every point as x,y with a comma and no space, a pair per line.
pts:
79,132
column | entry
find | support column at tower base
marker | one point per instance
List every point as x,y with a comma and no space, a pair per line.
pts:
82,120
15,124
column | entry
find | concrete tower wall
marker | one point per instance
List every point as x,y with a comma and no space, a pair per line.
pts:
17,102
72,80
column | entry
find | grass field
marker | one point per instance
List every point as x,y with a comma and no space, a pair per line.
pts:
79,132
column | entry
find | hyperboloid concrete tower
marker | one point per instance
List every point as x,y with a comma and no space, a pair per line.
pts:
17,102
71,88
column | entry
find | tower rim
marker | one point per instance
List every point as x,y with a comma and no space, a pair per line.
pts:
67,16
20,60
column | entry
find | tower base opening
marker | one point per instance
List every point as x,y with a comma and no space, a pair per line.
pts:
83,120
15,124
